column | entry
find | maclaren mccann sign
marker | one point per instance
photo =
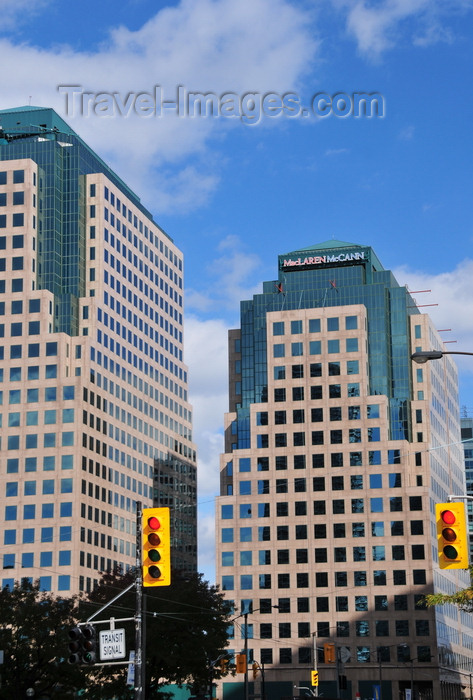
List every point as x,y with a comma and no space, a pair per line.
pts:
112,644
326,259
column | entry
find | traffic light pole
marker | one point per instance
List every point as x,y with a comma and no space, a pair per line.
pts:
314,656
139,685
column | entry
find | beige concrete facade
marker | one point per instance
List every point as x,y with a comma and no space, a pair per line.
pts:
86,416
328,518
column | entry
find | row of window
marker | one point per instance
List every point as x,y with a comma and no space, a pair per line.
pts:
48,417
17,219
18,306
360,553
16,198
44,510
15,176
298,393
32,441
45,559
343,628
17,241
113,544
48,349
43,534
354,459
45,583
360,603
314,325
380,577
394,528
314,347
317,437
316,369
31,487
263,486
31,463
263,510
245,509
334,413
362,654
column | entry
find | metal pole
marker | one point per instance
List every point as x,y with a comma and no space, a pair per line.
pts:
263,686
380,675
143,645
314,654
139,695
412,680
245,616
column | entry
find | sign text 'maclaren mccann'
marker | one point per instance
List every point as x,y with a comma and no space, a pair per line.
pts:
320,259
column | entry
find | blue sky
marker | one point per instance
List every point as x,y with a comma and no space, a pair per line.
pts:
235,195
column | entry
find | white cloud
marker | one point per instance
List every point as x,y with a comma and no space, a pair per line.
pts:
15,12
378,27
228,278
336,151
407,133
210,45
453,292
206,553
206,355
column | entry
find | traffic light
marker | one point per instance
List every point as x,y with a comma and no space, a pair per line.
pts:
156,547
329,653
241,663
75,646
82,645
89,645
255,669
342,682
314,678
223,663
452,535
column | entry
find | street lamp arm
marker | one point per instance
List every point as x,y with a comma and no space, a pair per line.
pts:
423,356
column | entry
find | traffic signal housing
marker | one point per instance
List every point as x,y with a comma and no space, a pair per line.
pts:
241,663
82,645
452,535
329,653
75,646
156,547
255,669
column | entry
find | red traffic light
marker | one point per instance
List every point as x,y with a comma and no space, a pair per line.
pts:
452,535
448,517
154,523
156,544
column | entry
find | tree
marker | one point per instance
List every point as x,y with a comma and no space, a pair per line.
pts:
463,598
34,638
186,632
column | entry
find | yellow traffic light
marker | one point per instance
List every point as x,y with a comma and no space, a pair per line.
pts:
452,535
156,547
329,653
241,663
255,668
314,678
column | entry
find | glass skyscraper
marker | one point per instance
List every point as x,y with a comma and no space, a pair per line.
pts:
94,403
337,448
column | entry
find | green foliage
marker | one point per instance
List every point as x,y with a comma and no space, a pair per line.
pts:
463,598
186,630
34,638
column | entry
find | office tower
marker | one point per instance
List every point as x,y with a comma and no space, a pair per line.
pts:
467,440
94,387
337,447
